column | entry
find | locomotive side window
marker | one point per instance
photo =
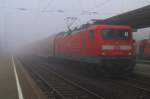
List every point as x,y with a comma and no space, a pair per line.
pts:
116,34
91,35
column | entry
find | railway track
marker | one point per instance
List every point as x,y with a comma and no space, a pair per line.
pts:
57,87
140,83
143,87
143,62
135,88
142,80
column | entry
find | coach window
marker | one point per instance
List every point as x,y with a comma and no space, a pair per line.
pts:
91,35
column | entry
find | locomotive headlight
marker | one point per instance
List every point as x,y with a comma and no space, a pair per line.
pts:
107,47
125,47
130,53
103,53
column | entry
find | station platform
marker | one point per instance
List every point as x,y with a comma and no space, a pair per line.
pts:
15,82
8,87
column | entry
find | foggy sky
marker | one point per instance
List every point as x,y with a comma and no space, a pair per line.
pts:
19,27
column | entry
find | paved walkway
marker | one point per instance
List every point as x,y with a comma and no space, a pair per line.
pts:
15,82
8,88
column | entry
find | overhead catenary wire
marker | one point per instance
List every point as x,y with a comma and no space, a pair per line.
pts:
100,5
91,9
83,12
43,9
48,5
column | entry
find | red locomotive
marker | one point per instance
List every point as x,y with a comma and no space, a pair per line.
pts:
143,49
109,46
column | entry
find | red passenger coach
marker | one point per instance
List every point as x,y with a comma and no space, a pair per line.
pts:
147,49
109,46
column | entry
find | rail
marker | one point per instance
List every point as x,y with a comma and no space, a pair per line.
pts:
60,87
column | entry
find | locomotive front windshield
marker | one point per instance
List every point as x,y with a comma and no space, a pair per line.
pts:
116,34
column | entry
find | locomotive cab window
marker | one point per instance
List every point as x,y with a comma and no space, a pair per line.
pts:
116,34
91,35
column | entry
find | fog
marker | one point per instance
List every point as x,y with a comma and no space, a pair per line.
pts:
23,21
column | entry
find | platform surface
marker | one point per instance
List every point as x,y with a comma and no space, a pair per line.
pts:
15,82
8,87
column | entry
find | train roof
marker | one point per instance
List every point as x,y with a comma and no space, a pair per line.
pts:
89,27
110,26
93,26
